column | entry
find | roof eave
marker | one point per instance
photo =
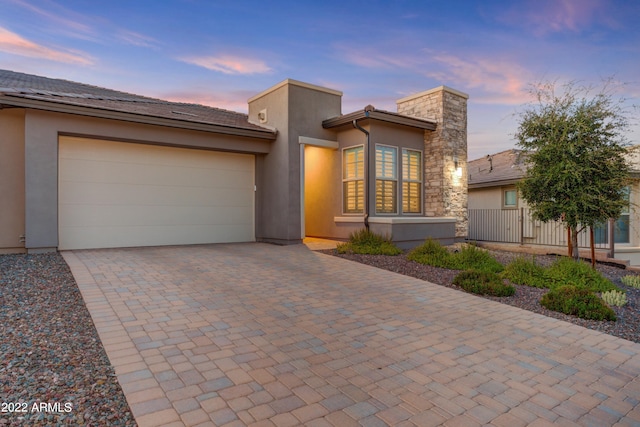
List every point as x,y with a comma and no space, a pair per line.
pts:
103,113
382,116
499,183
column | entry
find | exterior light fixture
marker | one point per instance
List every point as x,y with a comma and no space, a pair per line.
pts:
457,167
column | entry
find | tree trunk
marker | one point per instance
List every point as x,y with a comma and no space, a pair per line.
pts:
575,253
569,243
593,248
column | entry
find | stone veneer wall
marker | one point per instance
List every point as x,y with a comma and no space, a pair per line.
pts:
445,193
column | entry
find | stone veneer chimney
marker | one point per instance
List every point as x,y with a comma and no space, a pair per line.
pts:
445,190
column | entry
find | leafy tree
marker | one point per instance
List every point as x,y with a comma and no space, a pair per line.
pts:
576,156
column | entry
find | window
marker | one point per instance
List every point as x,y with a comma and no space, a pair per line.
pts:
353,180
386,179
411,181
510,198
620,226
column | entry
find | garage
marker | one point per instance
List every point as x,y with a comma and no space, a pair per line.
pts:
120,194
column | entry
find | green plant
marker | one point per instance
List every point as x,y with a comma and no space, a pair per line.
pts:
365,241
633,281
525,271
614,298
483,283
567,271
577,301
473,258
469,258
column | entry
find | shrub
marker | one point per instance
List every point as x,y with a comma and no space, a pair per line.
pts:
614,298
525,271
567,271
367,242
483,283
469,258
633,281
577,301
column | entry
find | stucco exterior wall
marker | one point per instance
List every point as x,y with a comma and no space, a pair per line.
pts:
12,201
41,150
295,109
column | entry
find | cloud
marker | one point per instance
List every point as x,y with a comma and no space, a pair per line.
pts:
230,64
551,16
499,81
15,44
65,21
136,39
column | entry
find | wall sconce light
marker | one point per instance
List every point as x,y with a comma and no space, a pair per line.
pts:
457,167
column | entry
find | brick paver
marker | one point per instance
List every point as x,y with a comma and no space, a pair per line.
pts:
242,334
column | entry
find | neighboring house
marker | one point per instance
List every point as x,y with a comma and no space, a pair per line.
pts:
87,167
497,212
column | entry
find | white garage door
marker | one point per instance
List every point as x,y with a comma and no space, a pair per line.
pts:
115,194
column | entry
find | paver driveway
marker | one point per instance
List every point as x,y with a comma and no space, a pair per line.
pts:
255,334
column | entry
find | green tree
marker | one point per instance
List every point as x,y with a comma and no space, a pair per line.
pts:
576,156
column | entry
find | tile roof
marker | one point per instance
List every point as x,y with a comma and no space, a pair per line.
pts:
59,91
508,167
501,168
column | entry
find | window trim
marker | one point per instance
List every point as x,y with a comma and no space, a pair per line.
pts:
362,178
396,173
421,181
504,198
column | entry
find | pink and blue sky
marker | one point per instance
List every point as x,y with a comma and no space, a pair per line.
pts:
220,53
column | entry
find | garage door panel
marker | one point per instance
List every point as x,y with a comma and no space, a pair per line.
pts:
132,215
79,193
145,174
114,194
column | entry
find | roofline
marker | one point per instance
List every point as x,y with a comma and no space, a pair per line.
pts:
430,91
103,113
383,116
294,83
499,183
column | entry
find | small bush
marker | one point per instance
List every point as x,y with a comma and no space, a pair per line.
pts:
567,271
633,281
577,301
469,258
525,271
473,258
483,283
614,298
367,242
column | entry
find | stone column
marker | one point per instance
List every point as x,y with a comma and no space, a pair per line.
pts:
445,152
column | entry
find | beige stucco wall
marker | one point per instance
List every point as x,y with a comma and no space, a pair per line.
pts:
42,130
11,180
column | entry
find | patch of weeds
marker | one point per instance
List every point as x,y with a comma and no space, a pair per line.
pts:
483,283
577,301
567,271
470,257
367,242
525,271
633,281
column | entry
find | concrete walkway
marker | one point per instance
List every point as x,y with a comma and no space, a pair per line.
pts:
255,334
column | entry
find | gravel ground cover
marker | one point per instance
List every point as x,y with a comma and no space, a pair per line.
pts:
627,325
53,368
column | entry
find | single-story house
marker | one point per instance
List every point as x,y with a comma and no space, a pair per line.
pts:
498,213
86,167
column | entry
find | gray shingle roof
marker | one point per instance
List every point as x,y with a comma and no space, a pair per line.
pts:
501,168
59,91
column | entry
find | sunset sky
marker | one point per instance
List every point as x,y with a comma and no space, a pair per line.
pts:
220,53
